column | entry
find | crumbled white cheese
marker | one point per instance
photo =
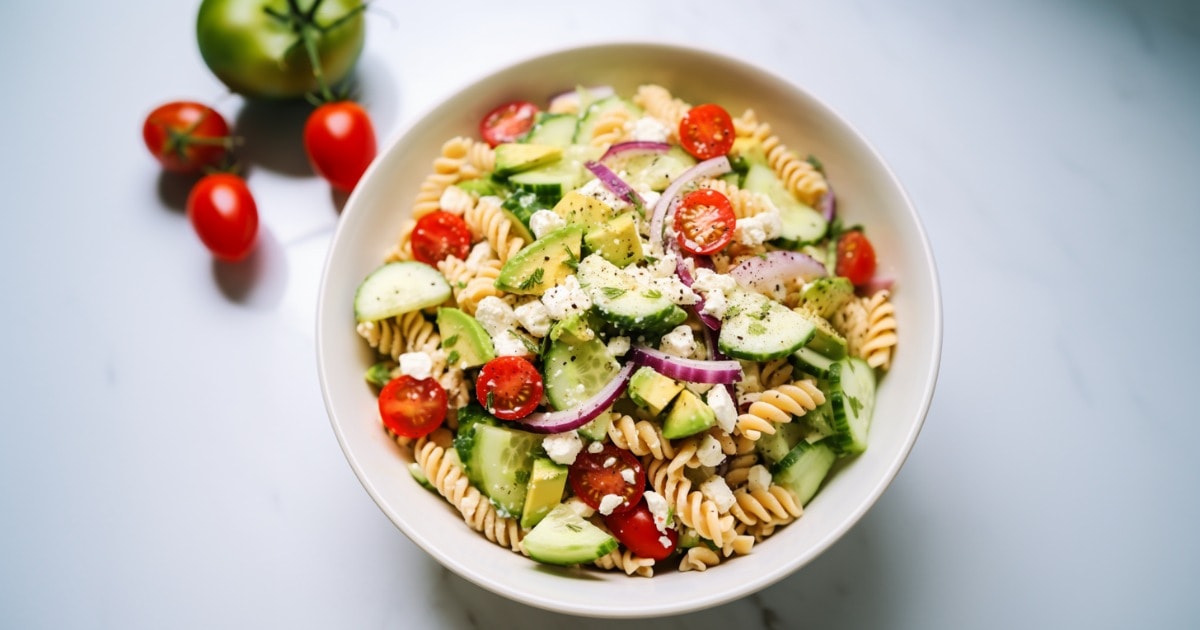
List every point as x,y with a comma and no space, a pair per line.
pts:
596,190
716,490
709,452
416,364
650,199
563,447
610,502
664,541
495,315
618,346
722,405
479,253
664,266
649,129
715,304
675,290
534,317
628,476
544,222
758,229
455,200
566,299
659,509
679,342
707,280
758,478
595,447
608,463
579,507
509,344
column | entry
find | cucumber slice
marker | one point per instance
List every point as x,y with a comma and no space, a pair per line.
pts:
576,371
499,464
801,224
804,468
774,447
620,300
397,288
852,397
587,123
557,130
655,171
756,328
564,538
812,362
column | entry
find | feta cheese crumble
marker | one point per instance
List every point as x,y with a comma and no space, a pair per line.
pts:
544,222
758,478
758,229
618,346
565,299
534,317
508,344
418,365
495,315
722,405
563,447
595,447
649,129
609,503
659,509
628,476
709,452
716,490
679,342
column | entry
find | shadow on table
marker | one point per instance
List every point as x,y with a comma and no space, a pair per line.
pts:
259,281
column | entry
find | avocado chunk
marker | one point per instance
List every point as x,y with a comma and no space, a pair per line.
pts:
826,340
574,329
466,343
617,240
546,486
651,390
499,463
577,208
825,296
513,157
543,264
565,538
688,416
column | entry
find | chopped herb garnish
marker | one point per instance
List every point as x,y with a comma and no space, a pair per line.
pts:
533,280
812,160
652,294
612,293
449,342
453,357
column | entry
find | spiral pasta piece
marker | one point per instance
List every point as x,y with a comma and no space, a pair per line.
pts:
699,558
737,470
777,406
639,437
625,560
658,102
486,220
772,504
402,250
745,203
408,332
691,506
612,125
798,176
447,169
442,468
880,338
775,373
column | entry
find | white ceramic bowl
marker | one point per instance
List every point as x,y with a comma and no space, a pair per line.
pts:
868,193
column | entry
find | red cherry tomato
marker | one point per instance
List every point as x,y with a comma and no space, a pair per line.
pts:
509,387
508,122
224,215
855,257
412,408
595,475
340,142
706,131
704,222
439,235
185,137
636,530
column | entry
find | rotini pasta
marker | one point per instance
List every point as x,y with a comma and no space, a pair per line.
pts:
662,105
800,177
486,220
691,507
777,406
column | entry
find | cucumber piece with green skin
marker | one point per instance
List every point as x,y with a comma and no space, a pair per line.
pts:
619,299
774,447
500,463
800,223
397,288
756,328
550,182
574,372
468,417
522,205
596,430
812,362
804,468
565,538
826,340
556,130
852,397
595,111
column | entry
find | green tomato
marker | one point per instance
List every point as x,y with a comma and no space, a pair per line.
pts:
258,48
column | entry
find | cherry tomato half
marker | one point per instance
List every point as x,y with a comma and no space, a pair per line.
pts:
340,142
595,475
509,387
706,131
224,215
855,257
185,136
704,221
508,122
636,530
439,235
412,407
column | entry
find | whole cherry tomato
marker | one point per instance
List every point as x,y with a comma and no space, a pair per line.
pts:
340,142
412,407
639,533
185,136
224,215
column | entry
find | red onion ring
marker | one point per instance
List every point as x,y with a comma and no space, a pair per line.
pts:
634,146
690,370
764,273
614,183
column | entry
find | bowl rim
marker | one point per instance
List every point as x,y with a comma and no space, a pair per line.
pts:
762,580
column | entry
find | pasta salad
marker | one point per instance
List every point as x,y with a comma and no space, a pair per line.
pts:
626,331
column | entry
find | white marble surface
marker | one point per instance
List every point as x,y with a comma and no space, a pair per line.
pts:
167,461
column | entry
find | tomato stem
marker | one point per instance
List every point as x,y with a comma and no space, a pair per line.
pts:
308,31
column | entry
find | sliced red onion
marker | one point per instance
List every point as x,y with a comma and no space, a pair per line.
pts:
685,276
690,370
708,168
567,419
633,147
827,205
764,273
877,284
614,183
